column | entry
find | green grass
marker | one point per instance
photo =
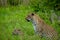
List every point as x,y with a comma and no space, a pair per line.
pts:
14,17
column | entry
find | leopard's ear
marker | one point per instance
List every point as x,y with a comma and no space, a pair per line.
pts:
32,14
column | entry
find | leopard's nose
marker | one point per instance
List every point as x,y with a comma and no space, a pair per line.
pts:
27,19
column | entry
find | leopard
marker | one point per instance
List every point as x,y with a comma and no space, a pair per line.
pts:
41,27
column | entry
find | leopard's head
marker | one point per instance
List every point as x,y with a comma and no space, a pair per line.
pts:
29,17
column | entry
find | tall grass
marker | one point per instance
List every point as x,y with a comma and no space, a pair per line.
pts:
14,17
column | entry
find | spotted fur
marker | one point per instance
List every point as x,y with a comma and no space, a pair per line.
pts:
41,28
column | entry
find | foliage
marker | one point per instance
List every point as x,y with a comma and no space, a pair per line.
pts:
44,5
14,17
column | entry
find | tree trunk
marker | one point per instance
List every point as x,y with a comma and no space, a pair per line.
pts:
3,2
26,2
